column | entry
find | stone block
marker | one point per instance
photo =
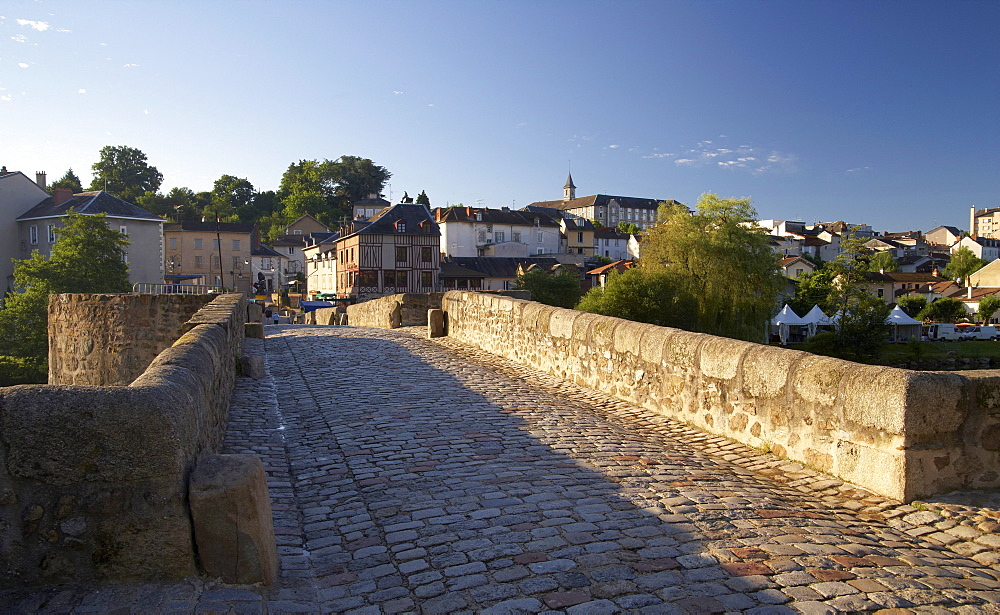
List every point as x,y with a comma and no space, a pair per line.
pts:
231,511
252,366
435,323
254,330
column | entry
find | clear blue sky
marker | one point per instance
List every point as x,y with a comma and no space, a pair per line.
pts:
884,113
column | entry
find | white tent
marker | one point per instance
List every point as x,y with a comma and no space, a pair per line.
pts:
786,318
816,318
904,327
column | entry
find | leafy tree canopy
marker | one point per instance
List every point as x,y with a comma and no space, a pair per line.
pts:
945,309
631,229
963,263
561,289
882,261
124,172
988,306
722,258
422,198
643,295
912,304
861,329
69,180
232,198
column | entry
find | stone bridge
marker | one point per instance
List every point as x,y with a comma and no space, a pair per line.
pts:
416,475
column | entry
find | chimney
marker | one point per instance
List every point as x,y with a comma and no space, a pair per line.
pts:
972,222
468,211
40,179
61,195
437,214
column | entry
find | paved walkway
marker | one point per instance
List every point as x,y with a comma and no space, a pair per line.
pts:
410,475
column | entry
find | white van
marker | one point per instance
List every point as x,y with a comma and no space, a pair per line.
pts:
979,333
944,331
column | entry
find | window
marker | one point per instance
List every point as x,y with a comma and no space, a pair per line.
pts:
579,237
401,227
52,233
482,236
215,262
236,245
541,251
515,237
197,244
236,262
425,256
297,232
215,245
291,249
173,243
498,237
199,261
540,238
400,254
123,230
426,279
33,235
881,293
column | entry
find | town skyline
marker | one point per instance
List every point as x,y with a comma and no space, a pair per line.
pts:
865,113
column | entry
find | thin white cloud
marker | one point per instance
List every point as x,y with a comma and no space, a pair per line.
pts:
397,92
103,44
613,146
659,155
129,65
744,157
64,30
22,64
19,38
857,169
145,111
41,26
6,98
81,91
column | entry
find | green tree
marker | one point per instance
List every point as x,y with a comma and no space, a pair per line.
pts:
631,229
422,198
155,203
643,295
561,289
812,289
988,306
944,309
327,189
69,180
124,172
882,261
861,328
912,304
233,196
722,258
963,263
88,257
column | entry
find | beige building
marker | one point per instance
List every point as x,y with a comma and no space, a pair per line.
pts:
217,252
985,222
606,209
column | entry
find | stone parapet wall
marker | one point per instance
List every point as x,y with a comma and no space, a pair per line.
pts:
390,312
111,339
93,479
896,432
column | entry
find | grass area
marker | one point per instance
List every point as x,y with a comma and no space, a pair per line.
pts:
974,349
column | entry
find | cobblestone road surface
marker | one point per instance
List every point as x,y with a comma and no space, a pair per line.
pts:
410,475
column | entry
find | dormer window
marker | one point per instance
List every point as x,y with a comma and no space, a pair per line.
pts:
401,226
479,216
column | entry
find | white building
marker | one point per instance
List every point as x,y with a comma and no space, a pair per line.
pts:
469,231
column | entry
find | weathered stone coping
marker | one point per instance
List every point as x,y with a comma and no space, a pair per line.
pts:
896,432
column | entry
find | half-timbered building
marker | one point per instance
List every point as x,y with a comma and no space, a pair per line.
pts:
398,250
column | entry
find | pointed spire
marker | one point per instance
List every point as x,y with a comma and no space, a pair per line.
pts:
569,190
